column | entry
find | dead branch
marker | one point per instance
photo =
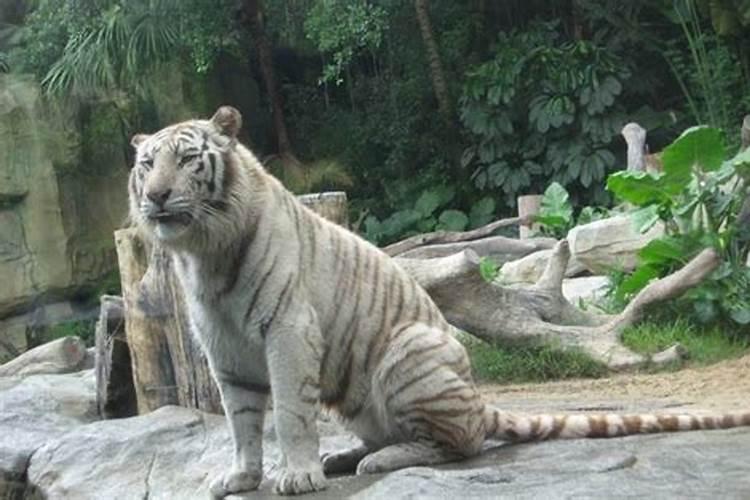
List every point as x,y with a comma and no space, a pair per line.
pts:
539,314
499,248
419,240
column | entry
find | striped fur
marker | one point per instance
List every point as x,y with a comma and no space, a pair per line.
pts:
282,300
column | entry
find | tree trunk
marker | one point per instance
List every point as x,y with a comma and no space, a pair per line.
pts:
437,75
115,395
153,374
254,23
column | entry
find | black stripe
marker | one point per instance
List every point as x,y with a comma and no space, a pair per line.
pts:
237,263
260,286
285,297
211,182
247,409
235,381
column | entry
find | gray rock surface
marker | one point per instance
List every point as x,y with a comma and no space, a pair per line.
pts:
529,269
55,227
63,355
35,410
587,289
611,243
51,448
696,465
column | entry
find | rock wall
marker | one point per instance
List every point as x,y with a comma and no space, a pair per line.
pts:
55,228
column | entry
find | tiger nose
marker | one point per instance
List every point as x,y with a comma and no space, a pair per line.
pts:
159,197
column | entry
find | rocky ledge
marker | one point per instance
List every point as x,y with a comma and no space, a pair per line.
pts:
53,446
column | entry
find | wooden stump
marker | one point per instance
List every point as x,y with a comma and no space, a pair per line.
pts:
332,206
153,373
115,395
528,206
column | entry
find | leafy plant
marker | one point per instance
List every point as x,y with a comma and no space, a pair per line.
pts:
428,214
543,109
698,197
489,270
555,216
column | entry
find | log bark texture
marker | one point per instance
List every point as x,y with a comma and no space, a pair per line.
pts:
115,394
539,314
63,355
153,372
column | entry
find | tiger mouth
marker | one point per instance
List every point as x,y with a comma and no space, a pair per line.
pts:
170,218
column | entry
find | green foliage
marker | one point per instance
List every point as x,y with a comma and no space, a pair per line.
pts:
698,198
489,270
84,329
705,344
343,29
543,109
712,73
506,364
555,217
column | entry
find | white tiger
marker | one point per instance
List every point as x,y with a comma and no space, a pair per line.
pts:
282,300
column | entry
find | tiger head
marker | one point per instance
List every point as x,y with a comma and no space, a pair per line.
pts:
180,184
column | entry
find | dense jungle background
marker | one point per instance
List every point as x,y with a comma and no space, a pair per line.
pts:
430,114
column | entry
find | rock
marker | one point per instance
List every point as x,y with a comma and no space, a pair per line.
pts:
588,289
611,243
63,355
174,452
35,410
696,465
529,269
50,244
170,453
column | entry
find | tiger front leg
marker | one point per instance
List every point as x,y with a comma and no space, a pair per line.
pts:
293,356
244,406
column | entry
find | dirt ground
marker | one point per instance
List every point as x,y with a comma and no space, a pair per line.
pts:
723,386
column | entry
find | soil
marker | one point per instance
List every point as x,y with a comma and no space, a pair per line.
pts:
724,386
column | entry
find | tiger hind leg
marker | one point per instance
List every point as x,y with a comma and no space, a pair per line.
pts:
430,405
344,461
411,454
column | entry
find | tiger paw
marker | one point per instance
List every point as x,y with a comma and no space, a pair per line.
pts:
234,482
294,482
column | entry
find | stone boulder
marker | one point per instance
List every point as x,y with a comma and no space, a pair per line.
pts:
64,355
35,410
56,223
587,289
172,452
529,269
611,243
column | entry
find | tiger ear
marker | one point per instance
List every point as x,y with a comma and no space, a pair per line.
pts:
227,120
137,140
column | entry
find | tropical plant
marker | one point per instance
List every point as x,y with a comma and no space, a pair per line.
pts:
555,217
698,198
428,214
543,109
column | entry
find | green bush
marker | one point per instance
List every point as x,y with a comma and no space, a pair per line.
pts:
698,197
543,109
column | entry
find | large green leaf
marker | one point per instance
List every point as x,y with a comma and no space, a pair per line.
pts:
556,203
640,188
453,220
697,147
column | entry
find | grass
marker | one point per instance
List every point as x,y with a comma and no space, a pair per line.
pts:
85,329
503,364
492,363
705,345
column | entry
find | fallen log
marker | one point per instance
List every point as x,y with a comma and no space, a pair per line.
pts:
63,355
436,237
539,314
